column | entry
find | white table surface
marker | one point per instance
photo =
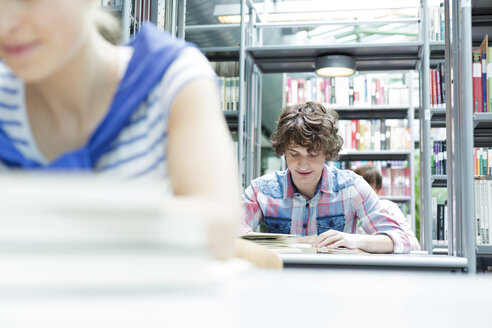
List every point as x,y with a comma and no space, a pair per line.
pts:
236,295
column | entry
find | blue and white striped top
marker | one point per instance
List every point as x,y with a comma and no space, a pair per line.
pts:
131,140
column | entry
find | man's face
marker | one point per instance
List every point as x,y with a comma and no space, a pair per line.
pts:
306,168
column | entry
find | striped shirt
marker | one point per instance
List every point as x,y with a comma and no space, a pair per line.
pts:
140,143
342,199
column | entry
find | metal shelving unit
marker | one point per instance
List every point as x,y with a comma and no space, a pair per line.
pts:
464,130
371,112
439,180
397,199
256,59
232,118
381,155
438,117
482,123
247,120
369,57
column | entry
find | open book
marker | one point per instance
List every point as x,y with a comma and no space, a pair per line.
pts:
289,244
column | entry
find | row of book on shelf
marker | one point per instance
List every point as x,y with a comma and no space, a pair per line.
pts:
437,85
437,26
375,135
228,79
229,93
439,221
482,77
483,213
396,175
438,158
482,157
361,90
483,209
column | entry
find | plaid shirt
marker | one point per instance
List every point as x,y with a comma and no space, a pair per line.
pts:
342,198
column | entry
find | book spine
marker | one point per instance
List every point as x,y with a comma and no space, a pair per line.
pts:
355,132
477,216
442,71
477,81
484,82
434,87
440,222
488,207
438,85
351,91
333,99
434,218
489,80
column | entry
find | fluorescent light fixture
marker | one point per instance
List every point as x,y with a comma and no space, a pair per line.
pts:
319,10
231,19
335,65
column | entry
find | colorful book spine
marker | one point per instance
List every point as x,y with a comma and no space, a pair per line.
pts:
477,81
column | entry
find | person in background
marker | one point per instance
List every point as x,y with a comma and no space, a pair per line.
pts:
312,199
71,100
375,179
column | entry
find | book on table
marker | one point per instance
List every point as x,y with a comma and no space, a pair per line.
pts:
292,244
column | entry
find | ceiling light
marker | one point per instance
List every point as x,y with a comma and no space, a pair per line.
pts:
335,65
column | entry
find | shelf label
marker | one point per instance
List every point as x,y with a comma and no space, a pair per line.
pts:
427,114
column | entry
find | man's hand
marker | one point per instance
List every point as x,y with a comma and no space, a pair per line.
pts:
335,239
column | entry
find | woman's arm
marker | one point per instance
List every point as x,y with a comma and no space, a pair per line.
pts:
201,162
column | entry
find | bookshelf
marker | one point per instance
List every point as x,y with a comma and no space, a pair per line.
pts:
402,57
256,58
244,121
466,24
369,57
385,117
132,13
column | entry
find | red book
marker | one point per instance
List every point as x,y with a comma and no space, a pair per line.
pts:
406,172
355,134
378,92
432,88
301,91
477,81
289,91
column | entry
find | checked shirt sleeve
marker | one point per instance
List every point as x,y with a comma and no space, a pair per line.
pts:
252,214
375,219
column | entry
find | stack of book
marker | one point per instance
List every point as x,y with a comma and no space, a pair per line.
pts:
86,232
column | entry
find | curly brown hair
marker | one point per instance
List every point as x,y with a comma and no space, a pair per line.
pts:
309,125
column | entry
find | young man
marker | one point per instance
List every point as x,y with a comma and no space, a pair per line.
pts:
312,199
374,178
